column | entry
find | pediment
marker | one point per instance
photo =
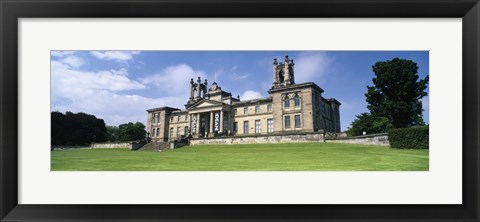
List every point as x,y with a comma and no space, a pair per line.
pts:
205,103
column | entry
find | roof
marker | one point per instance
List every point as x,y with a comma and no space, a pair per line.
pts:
294,86
168,108
253,101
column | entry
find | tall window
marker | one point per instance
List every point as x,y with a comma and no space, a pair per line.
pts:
287,122
178,118
269,125
297,121
235,127
158,117
297,101
186,130
171,133
257,109
245,127
286,102
154,115
245,110
269,108
257,126
179,132
158,132
153,133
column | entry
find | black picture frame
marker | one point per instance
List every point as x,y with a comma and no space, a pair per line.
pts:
11,11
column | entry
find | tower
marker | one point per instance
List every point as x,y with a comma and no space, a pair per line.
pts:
283,73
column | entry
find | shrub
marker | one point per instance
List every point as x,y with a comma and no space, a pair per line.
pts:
409,138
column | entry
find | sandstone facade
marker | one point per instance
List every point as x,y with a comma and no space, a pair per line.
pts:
214,113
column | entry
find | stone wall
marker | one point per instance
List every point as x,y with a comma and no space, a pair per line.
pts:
373,139
126,145
252,139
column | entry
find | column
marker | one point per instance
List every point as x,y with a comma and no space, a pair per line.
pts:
198,124
221,122
211,123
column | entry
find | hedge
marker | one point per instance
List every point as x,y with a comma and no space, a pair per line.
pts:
409,138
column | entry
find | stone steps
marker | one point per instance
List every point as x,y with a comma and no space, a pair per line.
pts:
155,146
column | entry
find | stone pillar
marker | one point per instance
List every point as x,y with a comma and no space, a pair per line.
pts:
287,71
198,88
198,124
211,123
275,68
221,122
191,88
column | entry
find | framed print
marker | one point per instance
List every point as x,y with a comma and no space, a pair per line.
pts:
66,60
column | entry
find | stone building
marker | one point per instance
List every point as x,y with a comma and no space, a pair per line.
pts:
212,112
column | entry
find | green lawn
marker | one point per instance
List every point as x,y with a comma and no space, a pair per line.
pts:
263,157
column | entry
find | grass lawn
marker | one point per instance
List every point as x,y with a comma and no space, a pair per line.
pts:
260,157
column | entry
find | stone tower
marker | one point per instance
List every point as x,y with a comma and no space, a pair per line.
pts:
283,73
197,90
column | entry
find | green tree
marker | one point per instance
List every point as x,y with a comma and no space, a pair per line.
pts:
397,92
366,122
112,133
131,131
76,129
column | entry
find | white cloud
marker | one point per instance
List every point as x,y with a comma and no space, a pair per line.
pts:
67,80
235,67
119,56
175,80
235,76
311,66
61,53
73,61
250,94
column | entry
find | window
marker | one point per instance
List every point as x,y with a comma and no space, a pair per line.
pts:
235,127
245,110
269,125
245,127
297,121
153,133
297,101
158,132
286,102
186,130
269,107
178,118
287,122
257,109
234,112
158,117
179,132
171,133
257,126
154,117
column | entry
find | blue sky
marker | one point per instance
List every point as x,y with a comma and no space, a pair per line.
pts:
118,86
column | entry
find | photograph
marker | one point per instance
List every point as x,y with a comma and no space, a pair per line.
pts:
279,110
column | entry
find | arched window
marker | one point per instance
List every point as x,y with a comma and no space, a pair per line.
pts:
286,102
297,101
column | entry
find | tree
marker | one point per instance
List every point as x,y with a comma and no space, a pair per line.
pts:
397,92
131,131
112,133
366,122
76,129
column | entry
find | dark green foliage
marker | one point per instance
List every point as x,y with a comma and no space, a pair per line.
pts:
365,122
409,138
76,129
112,132
397,92
128,132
